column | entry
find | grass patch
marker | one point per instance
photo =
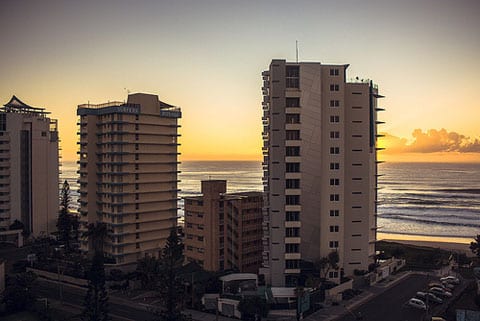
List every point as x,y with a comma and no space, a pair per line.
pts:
417,257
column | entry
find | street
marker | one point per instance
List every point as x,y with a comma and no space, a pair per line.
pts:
391,304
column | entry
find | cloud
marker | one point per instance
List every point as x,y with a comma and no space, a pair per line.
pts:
432,141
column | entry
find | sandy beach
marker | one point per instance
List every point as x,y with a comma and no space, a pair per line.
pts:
445,243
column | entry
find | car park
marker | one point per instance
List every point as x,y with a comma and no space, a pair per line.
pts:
430,297
440,292
450,279
417,303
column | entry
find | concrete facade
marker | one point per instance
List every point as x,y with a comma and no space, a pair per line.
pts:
29,160
224,231
320,169
129,174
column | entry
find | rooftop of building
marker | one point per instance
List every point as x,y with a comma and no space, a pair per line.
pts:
128,107
230,196
15,105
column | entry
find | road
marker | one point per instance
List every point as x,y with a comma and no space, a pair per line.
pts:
391,304
75,296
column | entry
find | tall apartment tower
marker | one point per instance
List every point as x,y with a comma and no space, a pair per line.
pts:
224,230
28,168
320,169
129,174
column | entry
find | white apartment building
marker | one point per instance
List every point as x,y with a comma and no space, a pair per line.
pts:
129,174
320,169
28,170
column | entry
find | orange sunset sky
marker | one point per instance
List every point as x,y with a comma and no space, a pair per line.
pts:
207,58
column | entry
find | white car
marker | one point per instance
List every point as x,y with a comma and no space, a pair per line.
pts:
431,297
440,292
450,279
417,303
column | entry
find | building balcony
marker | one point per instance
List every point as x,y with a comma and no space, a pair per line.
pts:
295,240
292,271
293,256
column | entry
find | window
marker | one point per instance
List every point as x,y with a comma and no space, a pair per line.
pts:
292,151
292,102
292,74
136,156
334,119
292,248
334,103
334,197
334,87
334,150
335,134
136,166
137,216
292,199
136,196
292,216
200,226
292,118
137,117
334,228
333,274
292,167
44,134
137,245
137,226
334,166
334,72
137,235
333,244
136,186
292,183
292,232
334,181
136,136
136,146
292,135
334,212
292,264
136,126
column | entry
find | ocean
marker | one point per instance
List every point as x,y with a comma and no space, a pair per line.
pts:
418,199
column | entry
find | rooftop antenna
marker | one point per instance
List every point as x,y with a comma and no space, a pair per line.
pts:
296,49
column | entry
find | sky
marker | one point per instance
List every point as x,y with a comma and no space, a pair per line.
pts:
207,58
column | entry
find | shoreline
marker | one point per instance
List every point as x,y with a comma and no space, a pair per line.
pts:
458,244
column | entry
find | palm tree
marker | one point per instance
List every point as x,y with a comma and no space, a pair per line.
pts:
96,234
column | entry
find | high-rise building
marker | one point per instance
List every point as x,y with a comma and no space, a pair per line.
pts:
129,174
224,231
28,168
320,169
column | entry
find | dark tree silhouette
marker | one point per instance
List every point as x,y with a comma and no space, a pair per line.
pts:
148,271
171,285
18,294
67,223
253,307
96,300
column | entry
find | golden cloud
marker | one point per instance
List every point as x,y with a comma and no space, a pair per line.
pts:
431,141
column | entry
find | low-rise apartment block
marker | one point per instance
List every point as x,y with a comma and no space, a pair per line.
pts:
224,231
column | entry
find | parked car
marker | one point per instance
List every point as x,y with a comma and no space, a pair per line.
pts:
440,292
450,279
438,319
431,297
436,284
417,303
448,286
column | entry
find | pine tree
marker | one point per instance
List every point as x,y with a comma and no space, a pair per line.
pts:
96,300
170,282
65,219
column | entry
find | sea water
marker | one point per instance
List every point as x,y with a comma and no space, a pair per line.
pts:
428,199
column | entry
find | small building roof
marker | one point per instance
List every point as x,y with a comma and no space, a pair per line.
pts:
238,277
15,105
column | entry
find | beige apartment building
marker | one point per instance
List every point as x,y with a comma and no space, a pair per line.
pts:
224,231
320,169
129,174
28,169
